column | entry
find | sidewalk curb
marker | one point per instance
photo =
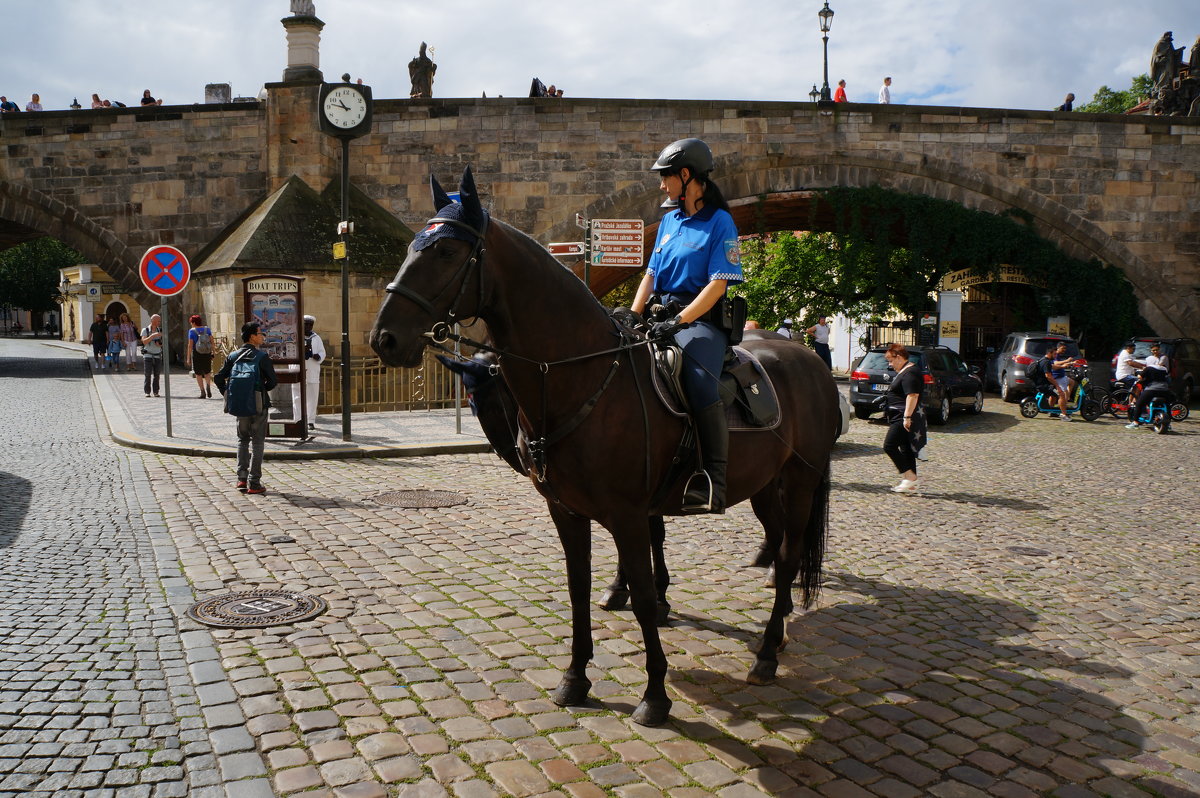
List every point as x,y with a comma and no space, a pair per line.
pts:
123,433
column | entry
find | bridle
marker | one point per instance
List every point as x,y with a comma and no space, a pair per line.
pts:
473,262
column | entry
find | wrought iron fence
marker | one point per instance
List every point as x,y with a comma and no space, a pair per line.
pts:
374,387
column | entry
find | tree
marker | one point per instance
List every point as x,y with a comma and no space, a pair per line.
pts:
29,273
1111,101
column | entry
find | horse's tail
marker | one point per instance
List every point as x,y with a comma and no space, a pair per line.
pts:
812,552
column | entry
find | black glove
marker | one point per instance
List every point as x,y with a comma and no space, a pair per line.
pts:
662,330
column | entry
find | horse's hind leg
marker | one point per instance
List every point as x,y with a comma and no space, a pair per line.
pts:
575,533
616,595
806,502
768,508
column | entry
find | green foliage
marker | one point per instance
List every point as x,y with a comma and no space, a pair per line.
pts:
887,251
1111,101
622,294
29,273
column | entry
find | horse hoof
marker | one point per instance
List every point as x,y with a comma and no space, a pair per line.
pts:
571,692
762,673
769,581
614,598
652,713
664,613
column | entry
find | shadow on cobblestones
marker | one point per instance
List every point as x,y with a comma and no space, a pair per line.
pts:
931,493
16,492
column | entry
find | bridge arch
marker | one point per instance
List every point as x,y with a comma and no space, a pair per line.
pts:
37,213
783,184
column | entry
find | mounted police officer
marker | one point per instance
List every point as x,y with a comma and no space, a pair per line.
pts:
695,257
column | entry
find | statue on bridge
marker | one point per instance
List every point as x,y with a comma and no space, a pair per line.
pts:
420,72
1176,84
303,8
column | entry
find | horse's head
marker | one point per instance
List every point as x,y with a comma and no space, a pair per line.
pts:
439,282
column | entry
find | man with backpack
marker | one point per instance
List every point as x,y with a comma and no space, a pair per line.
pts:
244,380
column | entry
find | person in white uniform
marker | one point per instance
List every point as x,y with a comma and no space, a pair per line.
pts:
314,355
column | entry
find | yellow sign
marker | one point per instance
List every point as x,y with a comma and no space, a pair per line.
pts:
965,278
339,250
950,329
1059,328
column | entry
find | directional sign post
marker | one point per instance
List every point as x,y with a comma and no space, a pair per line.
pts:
617,242
569,248
165,271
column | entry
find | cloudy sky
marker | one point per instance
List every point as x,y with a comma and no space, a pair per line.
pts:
997,53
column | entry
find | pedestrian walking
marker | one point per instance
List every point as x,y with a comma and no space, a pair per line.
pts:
129,338
906,418
314,355
152,354
98,338
820,334
885,92
839,94
244,380
200,354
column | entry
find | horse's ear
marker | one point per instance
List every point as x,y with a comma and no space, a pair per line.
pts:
469,196
440,198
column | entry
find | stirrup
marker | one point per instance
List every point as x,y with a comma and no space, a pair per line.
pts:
704,505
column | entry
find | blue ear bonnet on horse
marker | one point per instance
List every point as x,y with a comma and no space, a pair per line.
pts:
468,211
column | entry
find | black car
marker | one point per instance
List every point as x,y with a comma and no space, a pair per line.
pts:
949,382
1183,357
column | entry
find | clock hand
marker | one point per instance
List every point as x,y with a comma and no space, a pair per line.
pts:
344,106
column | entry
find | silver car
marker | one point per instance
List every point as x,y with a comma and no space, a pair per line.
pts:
1020,352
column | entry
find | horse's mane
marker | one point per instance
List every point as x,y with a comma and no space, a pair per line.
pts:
560,279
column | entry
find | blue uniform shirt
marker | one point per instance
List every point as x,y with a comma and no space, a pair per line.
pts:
694,250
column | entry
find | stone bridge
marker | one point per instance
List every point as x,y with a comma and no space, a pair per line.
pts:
110,183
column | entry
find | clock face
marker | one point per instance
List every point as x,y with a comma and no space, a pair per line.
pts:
344,107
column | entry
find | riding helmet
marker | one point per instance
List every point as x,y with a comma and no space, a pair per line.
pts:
692,153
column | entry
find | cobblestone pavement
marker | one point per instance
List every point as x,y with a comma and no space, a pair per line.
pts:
96,697
1028,625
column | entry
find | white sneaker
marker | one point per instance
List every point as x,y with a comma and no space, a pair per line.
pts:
905,486
1066,418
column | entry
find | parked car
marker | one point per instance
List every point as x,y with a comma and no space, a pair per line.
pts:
949,382
1183,356
1021,350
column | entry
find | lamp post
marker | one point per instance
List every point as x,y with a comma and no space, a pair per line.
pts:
826,17
814,95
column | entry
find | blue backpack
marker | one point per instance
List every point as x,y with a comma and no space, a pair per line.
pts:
243,393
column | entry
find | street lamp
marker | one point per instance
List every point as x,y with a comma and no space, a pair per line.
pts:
826,17
75,106
814,95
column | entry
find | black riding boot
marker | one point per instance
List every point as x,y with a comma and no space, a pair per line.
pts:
714,449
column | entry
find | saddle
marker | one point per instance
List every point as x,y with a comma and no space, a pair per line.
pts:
746,390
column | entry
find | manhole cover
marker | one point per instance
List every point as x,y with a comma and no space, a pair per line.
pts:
1029,551
415,499
255,609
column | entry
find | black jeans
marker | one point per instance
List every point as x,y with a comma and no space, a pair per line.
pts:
897,444
153,367
823,352
1149,395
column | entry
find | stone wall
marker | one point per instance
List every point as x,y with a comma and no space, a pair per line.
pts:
1119,188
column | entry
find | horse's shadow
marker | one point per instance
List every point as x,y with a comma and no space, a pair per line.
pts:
892,672
16,492
977,499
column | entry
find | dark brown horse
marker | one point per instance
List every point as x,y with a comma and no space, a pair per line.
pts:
601,443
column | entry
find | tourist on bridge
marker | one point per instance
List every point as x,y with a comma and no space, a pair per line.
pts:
1067,103
149,100
885,92
839,94
7,106
34,104
697,255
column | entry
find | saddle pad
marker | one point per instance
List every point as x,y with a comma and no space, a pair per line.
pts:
733,413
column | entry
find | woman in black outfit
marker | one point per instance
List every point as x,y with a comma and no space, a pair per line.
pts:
905,416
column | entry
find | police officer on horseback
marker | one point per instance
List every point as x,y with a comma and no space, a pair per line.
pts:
695,258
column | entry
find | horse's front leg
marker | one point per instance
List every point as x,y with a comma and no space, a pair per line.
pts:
575,533
631,533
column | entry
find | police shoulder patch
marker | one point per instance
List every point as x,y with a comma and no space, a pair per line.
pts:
733,251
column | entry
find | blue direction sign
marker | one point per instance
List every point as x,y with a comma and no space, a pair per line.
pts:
165,270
